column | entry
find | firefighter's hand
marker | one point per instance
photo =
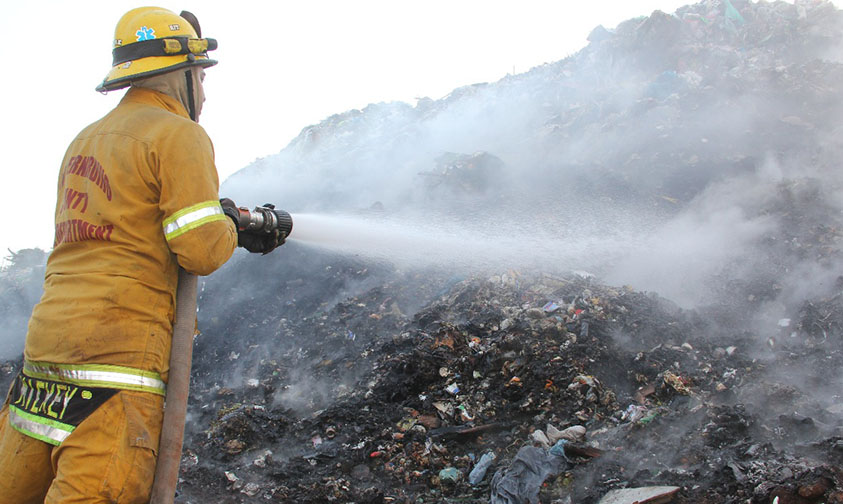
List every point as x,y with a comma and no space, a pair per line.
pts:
259,242
229,208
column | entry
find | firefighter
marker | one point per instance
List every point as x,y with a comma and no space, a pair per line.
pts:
137,198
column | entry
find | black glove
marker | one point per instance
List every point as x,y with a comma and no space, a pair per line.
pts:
229,208
259,242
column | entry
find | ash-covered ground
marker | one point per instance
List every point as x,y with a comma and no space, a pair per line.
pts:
618,271
349,383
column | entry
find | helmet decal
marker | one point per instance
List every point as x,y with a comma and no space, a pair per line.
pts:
145,33
118,42
174,27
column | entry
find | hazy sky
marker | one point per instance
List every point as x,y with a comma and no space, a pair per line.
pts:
283,66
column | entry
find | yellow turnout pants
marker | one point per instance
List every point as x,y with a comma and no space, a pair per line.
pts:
109,458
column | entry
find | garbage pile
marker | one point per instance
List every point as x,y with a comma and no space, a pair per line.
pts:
339,379
509,388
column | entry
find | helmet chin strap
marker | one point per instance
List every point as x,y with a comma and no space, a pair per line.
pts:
191,99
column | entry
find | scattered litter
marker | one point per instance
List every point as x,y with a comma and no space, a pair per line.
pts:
251,489
550,307
262,460
521,480
558,449
574,433
645,495
476,475
449,475
677,382
539,437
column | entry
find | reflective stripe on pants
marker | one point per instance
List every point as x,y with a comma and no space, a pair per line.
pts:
109,457
97,375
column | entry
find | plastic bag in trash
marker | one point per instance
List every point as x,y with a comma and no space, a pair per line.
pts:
476,474
521,481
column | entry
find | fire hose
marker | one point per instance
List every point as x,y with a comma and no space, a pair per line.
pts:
263,219
178,385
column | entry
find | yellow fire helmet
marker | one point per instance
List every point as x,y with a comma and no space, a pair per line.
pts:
150,41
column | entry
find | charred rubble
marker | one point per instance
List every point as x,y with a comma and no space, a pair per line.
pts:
394,389
338,379
392,386
327,377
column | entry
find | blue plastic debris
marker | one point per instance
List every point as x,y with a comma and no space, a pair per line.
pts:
733,14
476,475
559,449
449,475
551,307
